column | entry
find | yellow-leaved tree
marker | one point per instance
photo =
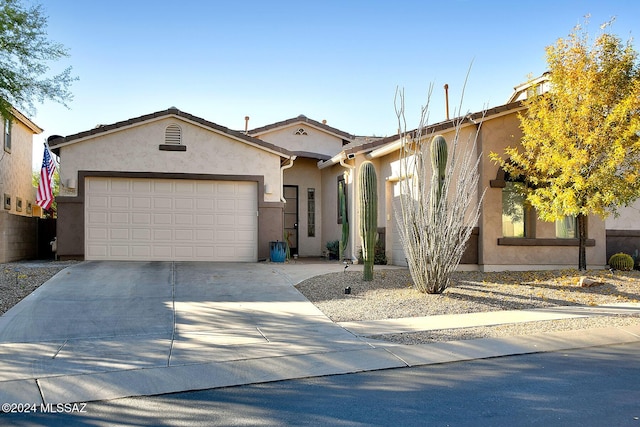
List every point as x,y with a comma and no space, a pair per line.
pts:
580,150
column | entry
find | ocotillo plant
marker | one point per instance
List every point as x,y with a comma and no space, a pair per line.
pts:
342,198
439,170
368,194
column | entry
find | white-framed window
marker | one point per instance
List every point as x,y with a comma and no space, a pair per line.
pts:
7,135
173,134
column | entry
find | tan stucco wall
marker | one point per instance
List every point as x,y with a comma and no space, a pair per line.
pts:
136,149
305,174
16,168
315,141
496,135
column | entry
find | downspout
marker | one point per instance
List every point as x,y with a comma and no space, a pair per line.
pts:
282,169
352,240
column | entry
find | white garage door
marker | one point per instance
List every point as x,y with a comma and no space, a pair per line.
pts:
170,220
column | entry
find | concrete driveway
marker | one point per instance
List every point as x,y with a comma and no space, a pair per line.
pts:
100,330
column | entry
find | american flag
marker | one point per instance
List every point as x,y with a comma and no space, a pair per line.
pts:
45,188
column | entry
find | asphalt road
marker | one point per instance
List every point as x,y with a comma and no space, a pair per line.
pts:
588,387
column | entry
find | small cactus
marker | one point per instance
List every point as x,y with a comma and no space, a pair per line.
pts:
368,186
621,261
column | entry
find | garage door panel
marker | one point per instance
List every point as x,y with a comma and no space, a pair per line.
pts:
138,251
141,218
225,220
141,186
183,235
162,186
182,203
119,250
141,203
119,234
100,218
99,202
119,218
162,235
162,251
96,233
183,219
141,234
163,219
119,202
205,220
97,252
162,203
120,185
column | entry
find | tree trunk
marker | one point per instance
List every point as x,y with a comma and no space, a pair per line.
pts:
582,238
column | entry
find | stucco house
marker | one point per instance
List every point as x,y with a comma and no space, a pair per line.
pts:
501,240
173,186
18,226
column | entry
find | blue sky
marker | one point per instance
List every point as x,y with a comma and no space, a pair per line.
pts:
340,61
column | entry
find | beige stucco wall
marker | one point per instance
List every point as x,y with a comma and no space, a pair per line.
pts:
305,174
16,168
136,149
316,141
628,218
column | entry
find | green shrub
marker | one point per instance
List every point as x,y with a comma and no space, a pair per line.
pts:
621,261
379,258
333,247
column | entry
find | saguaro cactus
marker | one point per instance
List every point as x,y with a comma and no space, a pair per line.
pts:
439,169
368,195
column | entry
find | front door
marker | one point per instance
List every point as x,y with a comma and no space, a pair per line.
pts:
291,217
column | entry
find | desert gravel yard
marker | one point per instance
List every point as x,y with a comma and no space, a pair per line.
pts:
19,279
391,295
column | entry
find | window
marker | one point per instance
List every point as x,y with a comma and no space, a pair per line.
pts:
514,211
7,135
173,135
301,131
566,228
311,212
342,199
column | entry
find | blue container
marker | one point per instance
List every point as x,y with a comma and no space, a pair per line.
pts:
278,251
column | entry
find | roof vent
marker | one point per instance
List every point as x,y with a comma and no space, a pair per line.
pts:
173,135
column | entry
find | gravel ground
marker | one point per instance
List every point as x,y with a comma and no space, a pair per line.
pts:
391,295
19,279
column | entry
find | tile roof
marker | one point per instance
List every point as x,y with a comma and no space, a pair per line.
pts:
56,141
437,127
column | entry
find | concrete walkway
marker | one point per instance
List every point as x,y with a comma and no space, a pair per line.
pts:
104,330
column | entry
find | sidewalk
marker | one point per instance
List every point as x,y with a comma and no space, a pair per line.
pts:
155,328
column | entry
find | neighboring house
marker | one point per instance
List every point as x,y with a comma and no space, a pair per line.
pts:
18,227
172,186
